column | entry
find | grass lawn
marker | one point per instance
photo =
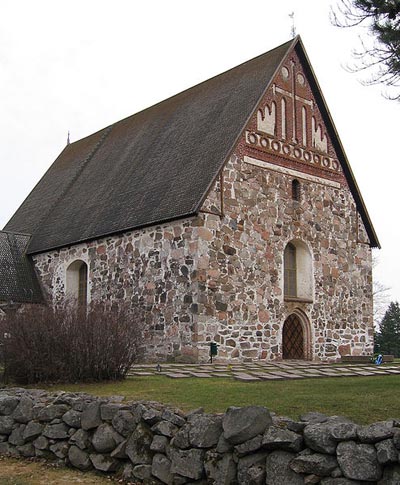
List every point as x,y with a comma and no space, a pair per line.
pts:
363,399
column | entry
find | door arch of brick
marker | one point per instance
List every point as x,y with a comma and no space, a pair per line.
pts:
296,337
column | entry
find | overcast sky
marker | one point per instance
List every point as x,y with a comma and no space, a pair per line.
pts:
82,65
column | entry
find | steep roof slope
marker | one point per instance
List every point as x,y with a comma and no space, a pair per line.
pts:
18,282
154,166
151,167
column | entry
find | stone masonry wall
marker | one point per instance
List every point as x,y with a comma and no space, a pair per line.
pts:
147,442
219,277
241,301
214,278
154,268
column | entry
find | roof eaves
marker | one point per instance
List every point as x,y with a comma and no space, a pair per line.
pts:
114,233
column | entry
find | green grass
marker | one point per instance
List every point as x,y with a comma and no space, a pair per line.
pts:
363,399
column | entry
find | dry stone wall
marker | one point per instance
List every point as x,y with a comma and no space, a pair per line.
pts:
147,442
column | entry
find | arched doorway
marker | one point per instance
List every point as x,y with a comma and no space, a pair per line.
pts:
293,341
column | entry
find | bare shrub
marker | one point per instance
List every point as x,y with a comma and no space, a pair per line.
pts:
68,344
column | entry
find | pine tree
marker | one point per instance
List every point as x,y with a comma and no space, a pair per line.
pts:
383,53
387,340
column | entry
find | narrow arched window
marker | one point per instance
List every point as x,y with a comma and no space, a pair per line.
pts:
298,279
290,271
77,283
296,190
82,290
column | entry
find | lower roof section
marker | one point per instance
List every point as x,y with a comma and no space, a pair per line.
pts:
18,281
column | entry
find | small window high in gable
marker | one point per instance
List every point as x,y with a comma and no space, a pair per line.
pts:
296,190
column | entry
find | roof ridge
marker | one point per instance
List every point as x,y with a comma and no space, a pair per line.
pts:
188,89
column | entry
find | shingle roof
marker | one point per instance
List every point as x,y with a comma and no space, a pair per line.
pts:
18,281
152,167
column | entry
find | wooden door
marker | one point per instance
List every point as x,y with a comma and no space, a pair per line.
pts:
292,338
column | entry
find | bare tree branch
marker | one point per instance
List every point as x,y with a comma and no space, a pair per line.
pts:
379,49
381,296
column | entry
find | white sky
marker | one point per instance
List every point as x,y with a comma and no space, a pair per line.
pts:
82,65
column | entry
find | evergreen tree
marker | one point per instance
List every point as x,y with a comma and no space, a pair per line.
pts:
387,340
382,52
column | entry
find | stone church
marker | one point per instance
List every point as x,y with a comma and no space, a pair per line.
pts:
229,211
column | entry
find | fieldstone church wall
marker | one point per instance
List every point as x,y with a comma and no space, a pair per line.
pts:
147,442
219,276
154,268
241,299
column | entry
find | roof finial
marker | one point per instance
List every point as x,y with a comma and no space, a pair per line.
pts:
68,140
293,28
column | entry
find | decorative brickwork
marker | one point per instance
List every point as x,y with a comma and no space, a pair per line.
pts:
288,128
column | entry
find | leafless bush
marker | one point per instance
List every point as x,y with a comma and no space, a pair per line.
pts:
42,344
